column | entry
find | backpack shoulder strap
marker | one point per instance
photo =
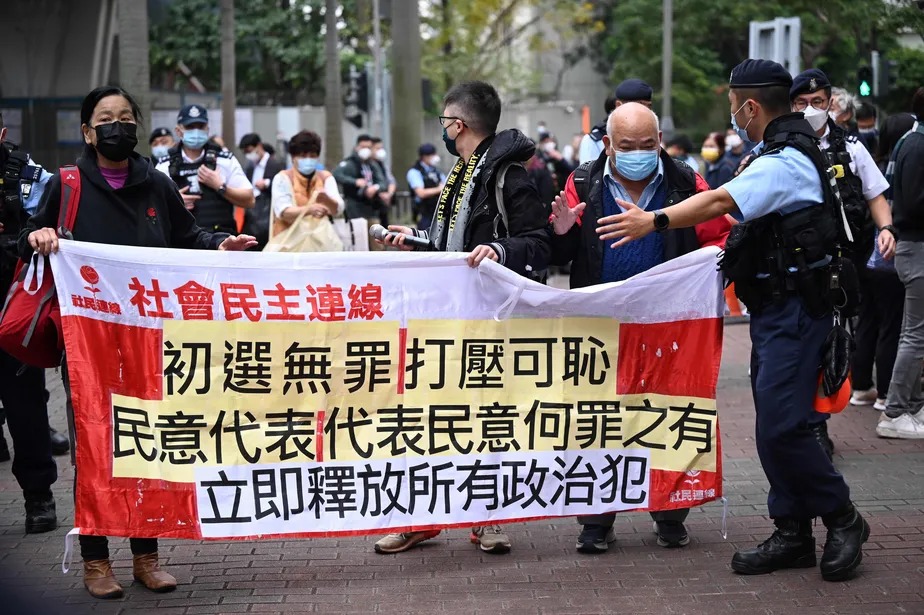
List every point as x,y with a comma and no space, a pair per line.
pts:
70,200
499,195
581,179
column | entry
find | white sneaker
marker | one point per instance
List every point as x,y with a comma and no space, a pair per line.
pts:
863,398
904,426
880,404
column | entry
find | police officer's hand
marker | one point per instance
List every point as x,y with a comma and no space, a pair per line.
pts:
238,243
189,200
886,244
633,223
479,254
209,177
44,241
564,217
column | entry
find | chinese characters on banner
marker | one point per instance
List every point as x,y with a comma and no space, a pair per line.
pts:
240,395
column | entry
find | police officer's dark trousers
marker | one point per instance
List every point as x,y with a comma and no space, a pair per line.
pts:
22,391
786,354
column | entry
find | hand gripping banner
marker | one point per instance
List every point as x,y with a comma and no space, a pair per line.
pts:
229,395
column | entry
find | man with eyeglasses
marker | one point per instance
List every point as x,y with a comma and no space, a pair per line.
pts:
508,225
862,188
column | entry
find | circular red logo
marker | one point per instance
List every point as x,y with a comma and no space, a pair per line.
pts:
151,212
89,274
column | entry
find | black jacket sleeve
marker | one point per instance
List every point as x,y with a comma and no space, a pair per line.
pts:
527,249
565,247
46,216
184,232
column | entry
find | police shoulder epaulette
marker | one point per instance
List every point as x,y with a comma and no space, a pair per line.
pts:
224,154
852,139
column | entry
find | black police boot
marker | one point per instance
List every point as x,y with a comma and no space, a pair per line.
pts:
60,445
790,546
4,449
820,431
847,531
40,512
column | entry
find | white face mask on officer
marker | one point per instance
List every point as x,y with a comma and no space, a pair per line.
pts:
816,117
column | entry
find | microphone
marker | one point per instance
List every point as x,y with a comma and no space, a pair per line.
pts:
377,231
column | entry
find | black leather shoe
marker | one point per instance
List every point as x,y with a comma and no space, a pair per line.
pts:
4,449
790,546
847,531
820,431
40,512
60,445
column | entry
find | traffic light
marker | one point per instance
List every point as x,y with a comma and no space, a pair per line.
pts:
362,92
888,76
865,80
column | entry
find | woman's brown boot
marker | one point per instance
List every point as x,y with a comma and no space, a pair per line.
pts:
148,573
99,580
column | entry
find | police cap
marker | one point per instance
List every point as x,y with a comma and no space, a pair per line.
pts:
759,74
808,81
633,90
427,149
159,132
192,114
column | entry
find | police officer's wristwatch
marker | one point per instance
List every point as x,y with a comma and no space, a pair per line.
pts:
661,221
222,189
891,229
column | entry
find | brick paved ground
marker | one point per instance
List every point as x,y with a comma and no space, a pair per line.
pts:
543,574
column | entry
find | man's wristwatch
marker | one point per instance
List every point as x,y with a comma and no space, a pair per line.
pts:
661,221
891,229
222,189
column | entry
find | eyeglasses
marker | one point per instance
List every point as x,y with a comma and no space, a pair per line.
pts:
817,103
443,119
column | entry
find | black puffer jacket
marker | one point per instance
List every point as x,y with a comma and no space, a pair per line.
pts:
526,248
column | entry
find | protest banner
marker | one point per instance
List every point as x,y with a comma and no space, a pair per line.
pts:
225,395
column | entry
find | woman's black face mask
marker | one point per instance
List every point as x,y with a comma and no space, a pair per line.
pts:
117,140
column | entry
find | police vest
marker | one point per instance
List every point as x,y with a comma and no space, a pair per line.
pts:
17,179
431,179
212,211
850,188
798,254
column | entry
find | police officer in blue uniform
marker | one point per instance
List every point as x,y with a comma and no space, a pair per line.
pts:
784,261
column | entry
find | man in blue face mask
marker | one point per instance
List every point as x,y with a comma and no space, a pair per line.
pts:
210,179
632,167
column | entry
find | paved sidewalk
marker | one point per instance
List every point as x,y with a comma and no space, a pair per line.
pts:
543,574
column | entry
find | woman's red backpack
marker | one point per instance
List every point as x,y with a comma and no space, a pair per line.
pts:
30,324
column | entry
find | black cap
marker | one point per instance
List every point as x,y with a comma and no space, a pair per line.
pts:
808,81
427,149
633,90
192,114
159,132
759,74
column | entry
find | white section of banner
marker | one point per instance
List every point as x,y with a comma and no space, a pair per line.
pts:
384,494
414,285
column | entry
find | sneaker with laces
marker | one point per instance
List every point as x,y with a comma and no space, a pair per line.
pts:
863,398
595,539
490,539
396,543
880,404
671,534
903,426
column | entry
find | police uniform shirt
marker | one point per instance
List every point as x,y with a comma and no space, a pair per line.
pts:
30,202
862,165
590,150
784,182
232,174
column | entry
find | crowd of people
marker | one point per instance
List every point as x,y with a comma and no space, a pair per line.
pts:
611,204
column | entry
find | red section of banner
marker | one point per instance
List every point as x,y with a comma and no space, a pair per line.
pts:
102,359
402,358
670,358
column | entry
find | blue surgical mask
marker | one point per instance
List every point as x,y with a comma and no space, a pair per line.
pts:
195,138
742,132
637,165
307,166
159,151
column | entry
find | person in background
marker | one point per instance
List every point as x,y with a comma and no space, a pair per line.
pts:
210,179
361,181
680,147
260,169
719,166
736,150
630,90
570,151
218,141
161,140
117,185
304,186
867,131
843,110
387,196
426,182
554,160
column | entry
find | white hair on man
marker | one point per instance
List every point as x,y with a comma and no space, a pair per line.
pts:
843,101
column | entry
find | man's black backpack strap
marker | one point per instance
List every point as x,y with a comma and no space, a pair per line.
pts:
581,178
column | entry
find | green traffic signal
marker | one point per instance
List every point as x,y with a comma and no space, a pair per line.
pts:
865,89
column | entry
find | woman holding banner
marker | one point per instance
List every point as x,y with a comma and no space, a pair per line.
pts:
122,200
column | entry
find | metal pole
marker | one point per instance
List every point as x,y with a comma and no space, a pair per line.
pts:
228,84
377,121
667,71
